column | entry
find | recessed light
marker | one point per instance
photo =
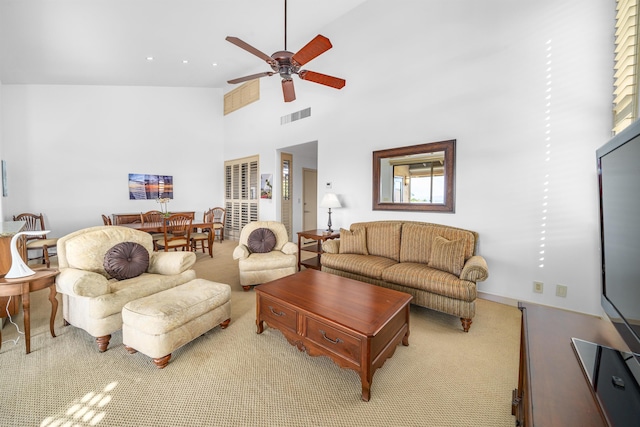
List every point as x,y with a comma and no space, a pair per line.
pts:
149,58
215,64
184,61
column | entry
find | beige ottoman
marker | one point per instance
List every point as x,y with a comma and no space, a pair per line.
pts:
161,323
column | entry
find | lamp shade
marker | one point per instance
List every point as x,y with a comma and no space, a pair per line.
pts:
330,200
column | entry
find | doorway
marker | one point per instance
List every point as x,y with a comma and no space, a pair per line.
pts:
286,195
300,157
309,199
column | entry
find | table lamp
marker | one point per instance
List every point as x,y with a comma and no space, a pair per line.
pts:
18,267
330,200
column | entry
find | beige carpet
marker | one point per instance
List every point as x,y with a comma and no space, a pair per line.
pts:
234,377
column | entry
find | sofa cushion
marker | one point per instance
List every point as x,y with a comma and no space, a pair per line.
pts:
417,239
126,260
85,249
365,265
261,240
447,255
353,242
383,239
425,278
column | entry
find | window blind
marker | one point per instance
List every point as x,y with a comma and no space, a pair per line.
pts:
625,86
242,187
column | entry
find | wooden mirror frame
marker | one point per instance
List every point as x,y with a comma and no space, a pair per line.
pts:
449,149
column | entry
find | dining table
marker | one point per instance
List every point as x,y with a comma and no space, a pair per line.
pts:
158,227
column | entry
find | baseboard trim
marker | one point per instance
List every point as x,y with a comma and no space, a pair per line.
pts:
499,299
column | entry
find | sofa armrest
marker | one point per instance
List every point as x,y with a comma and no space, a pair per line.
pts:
475,269
241,252
290,248
331,246
72,281
170,263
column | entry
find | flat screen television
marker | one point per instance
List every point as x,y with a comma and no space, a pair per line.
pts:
614,374
618,165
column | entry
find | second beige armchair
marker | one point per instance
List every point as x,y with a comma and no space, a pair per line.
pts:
258,263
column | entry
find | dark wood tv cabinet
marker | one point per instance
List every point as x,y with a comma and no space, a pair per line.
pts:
552,389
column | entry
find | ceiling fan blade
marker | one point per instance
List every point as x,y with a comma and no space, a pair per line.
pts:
288,91
323,79
246,46
319,45
251,77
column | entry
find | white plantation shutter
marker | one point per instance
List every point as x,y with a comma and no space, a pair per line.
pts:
242,192
625,90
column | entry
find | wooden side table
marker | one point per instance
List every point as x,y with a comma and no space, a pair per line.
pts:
21,287
318,236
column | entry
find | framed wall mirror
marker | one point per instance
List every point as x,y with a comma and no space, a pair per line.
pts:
415,178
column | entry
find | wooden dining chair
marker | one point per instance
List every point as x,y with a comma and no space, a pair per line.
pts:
153,217
219,217
177,233
106,220
42,244
203,235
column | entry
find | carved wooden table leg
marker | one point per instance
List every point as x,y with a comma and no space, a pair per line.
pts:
366,379
54,308
26,310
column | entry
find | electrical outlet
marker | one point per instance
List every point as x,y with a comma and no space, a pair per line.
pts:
538,287
561,291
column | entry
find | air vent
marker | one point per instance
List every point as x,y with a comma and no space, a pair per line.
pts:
295,116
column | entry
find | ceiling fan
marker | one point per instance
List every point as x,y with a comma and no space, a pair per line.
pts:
287,63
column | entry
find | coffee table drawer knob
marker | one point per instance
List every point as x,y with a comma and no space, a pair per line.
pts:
324,335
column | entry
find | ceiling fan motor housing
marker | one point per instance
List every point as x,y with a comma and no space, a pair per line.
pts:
283,64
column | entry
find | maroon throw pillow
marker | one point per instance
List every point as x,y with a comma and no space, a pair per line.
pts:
126,260
261,240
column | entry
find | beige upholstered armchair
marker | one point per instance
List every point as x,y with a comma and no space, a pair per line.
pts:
98,268
264,253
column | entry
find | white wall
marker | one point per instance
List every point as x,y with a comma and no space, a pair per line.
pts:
1,151
69,149
525,89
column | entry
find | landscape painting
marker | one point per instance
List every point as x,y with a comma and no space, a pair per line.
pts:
150,187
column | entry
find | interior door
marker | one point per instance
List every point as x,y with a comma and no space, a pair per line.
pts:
309,199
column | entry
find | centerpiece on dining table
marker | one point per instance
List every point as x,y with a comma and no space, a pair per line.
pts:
163,206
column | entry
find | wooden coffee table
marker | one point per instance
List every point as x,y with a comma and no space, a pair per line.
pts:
356,324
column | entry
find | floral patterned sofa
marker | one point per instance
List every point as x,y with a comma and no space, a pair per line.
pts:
436,264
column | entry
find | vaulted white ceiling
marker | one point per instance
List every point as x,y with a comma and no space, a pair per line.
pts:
107,42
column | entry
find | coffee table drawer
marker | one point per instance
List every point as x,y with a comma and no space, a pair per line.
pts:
334,340
271,310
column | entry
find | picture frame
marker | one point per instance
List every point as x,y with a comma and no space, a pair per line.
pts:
266,186
150,187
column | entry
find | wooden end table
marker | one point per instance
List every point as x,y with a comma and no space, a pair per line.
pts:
22,287
319,236
355,324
